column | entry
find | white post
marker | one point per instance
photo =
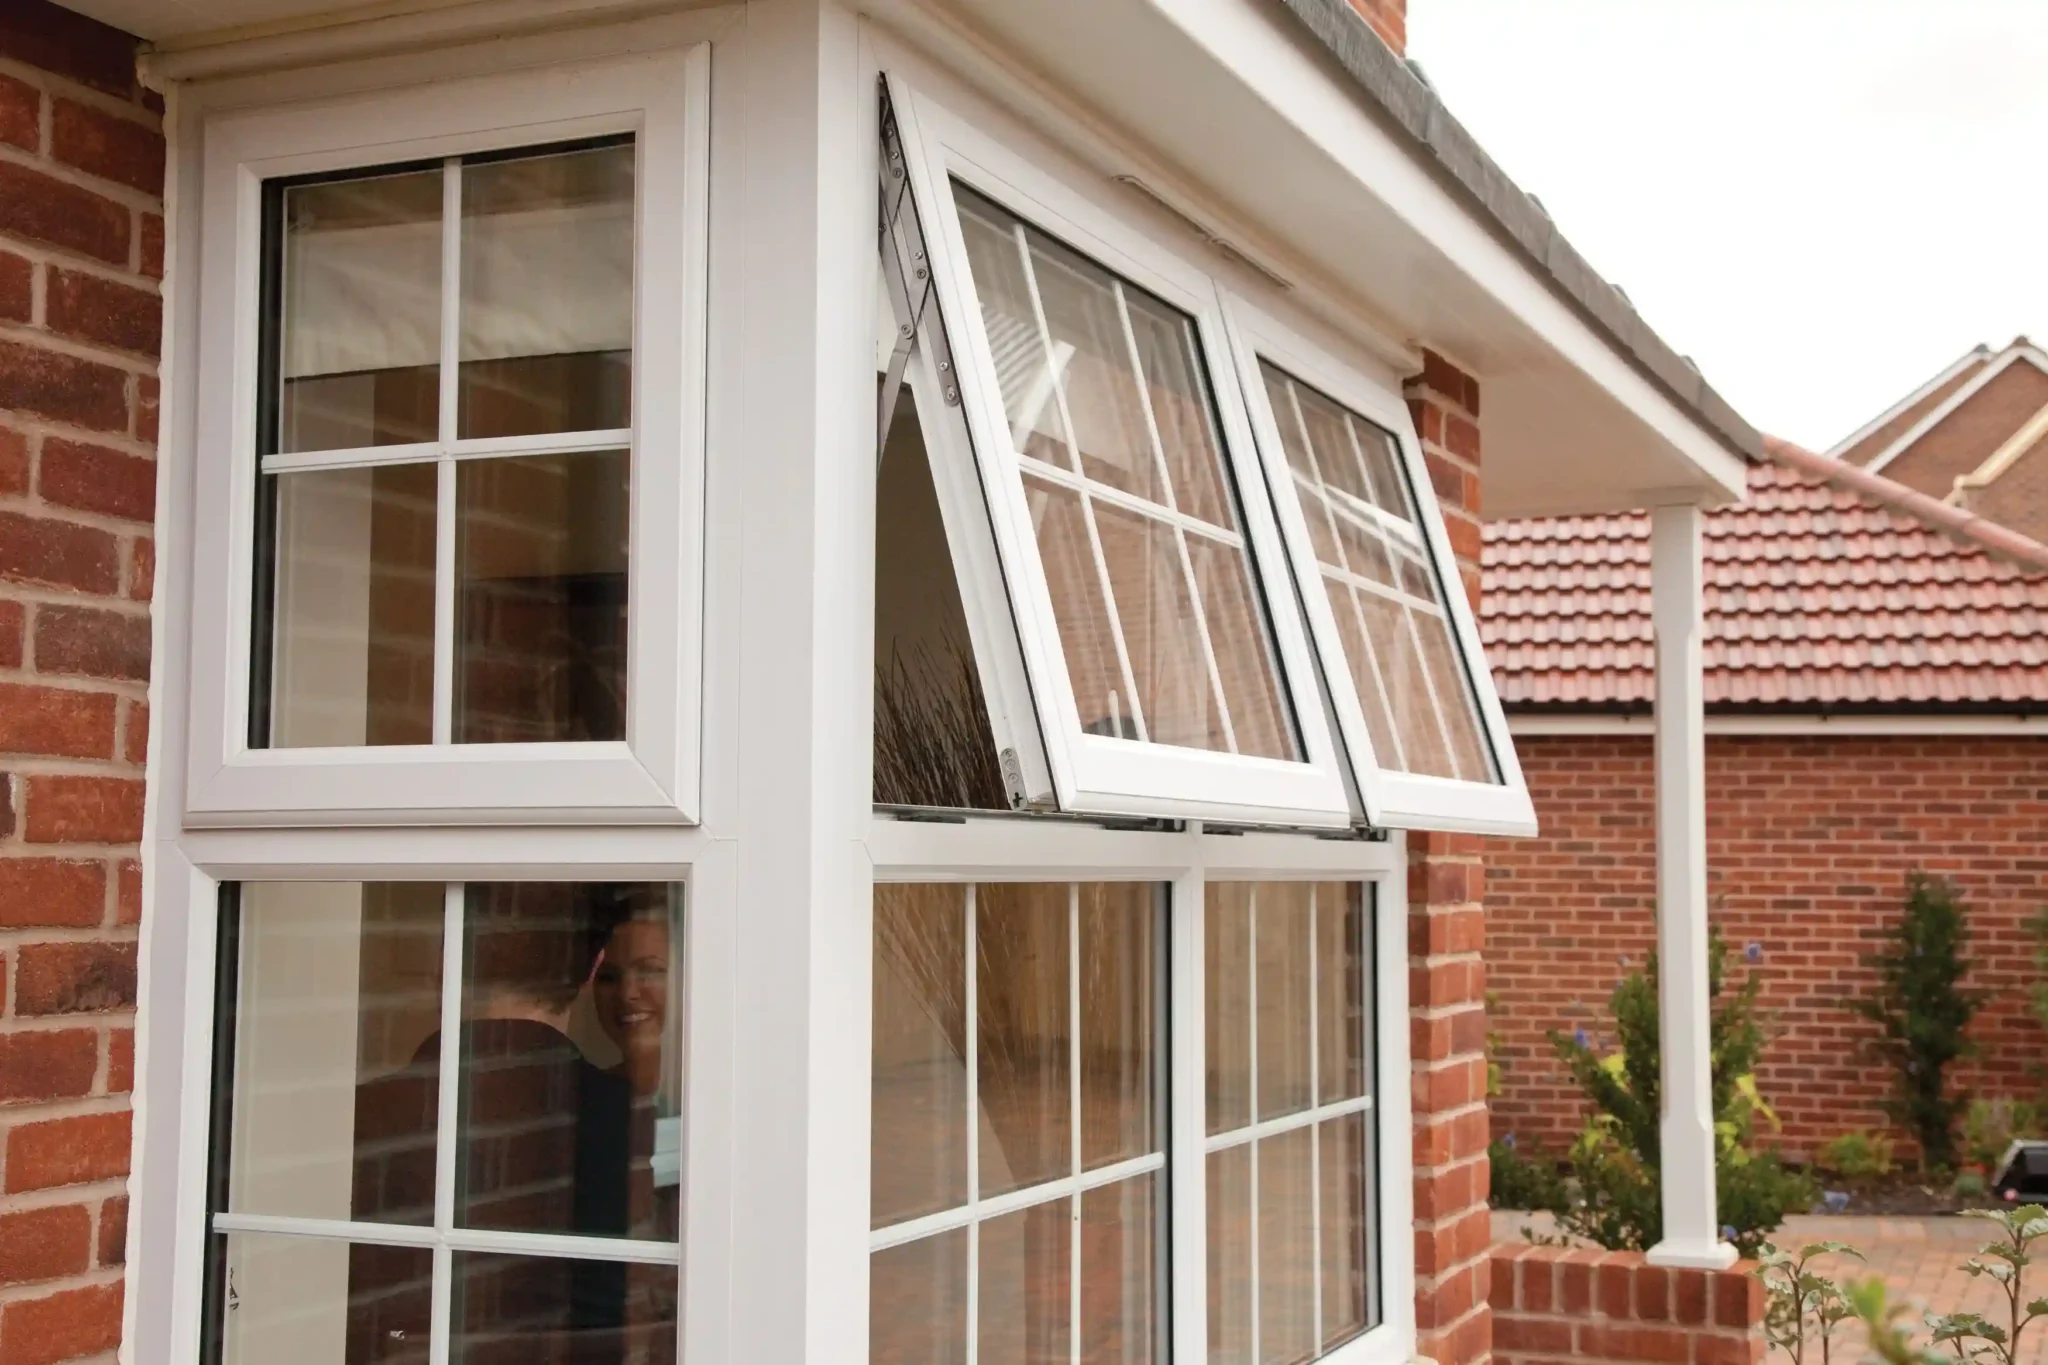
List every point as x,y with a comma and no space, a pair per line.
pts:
1691,1229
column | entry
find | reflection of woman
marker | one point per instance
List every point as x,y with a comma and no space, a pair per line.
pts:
631,995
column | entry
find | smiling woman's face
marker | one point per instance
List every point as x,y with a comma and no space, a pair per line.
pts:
631,989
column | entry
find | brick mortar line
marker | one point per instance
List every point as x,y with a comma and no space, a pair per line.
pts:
16,1024
78,1107
98,1277
62,765
129,362
79,516
57,83
121,689
64,1196
45,253
39,427
125,196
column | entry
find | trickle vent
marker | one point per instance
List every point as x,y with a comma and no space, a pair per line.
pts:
1221,245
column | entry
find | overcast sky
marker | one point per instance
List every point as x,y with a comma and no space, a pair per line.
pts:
1822,202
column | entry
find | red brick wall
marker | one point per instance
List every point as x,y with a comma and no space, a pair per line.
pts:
81,251
1389,19
1809,842
2018,497
1446,978
1550,1303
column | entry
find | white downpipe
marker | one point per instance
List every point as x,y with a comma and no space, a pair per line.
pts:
1691,1230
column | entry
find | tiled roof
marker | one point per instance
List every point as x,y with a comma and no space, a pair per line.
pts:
1828,587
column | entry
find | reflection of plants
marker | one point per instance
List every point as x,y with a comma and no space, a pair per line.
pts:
1802,1307
932,744
1921,1009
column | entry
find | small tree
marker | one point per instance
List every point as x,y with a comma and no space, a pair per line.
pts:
1922,1009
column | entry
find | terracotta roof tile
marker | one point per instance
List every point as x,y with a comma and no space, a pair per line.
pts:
1828,586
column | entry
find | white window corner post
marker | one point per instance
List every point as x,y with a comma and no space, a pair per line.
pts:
1691,1226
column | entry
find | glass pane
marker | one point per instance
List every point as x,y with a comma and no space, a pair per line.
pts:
1120,1283
1343,1022
570,1081
1287,1249
337,1076
360,333
351,657
1468,748
932,741
509,1310
1230,1255
1346,1161
547,293
917,1302
918,1159
1227,1017
1087,636
1162,633
1167,350
319,1299
1281,930
1024,1291
1372,696
541,554
1023,1037
1408,690
1244,660
1121,1062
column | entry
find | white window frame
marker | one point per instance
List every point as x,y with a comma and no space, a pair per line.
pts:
1016,849
663,98
1094,773
1392,799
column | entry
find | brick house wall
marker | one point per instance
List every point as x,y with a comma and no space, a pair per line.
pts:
81,253
1967,436
1557,1303
1809,843
1446,976
2018,497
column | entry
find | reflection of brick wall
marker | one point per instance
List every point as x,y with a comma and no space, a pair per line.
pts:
1446,978
1550,1303
81,253
1808,845
2018,497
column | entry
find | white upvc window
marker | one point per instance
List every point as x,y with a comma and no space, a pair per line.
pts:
1150,638
450,442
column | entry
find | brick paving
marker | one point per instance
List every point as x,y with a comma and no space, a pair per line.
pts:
1919,1258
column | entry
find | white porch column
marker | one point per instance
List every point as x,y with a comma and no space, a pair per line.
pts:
1691,1229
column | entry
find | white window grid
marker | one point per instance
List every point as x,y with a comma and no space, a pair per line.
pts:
448,448
1399,540
446,1237
1312,1117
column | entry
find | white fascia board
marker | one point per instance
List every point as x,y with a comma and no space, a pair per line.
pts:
1968,358
2012,356
1523,726
1294,81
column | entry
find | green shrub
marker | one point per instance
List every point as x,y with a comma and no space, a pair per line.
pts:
1614,1195
1990,1127
2037,993
1521,1182
1857,1156
1921,1009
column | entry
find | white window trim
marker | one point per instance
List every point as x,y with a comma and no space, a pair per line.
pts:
652,775
1024,849
1092,773
1392,799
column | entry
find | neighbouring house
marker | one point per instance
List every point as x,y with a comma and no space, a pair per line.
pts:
785,682
1975,435
1877,701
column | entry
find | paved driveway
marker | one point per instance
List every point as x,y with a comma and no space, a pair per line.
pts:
1919,1259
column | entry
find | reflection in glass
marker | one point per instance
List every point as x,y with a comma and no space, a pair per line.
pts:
1087,635
918,1156
1023,1035
1121,1070
1365,529
547,292
322,1299
541,567
1258,715
334,1090
917,1301
1287,1248
1120,1267
1162,634
351,658
1025,1299
1226,1017
1343,966
513,1309
1281,932
567,1077
1347,1174
1229,1175
359,332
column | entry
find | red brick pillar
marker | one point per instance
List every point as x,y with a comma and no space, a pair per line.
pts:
81,253
1446,978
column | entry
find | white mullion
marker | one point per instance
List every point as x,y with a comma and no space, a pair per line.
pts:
971,1033
475,448
1074,1120
1122,497
1315,1127
1379,589
444,499
1222,702
1184,1006
444,601
1014,1201
1059,392
1252,1057
447,1113
451,295
335,1229
563,1246
1271,1128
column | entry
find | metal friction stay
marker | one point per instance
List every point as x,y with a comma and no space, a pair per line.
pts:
922,355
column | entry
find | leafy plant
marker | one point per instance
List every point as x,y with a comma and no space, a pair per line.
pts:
1991,1125
1802,1307
1879,1316
2037,994
1614,1198
1521,1182
1857,1156
1974,1338
1921,1009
